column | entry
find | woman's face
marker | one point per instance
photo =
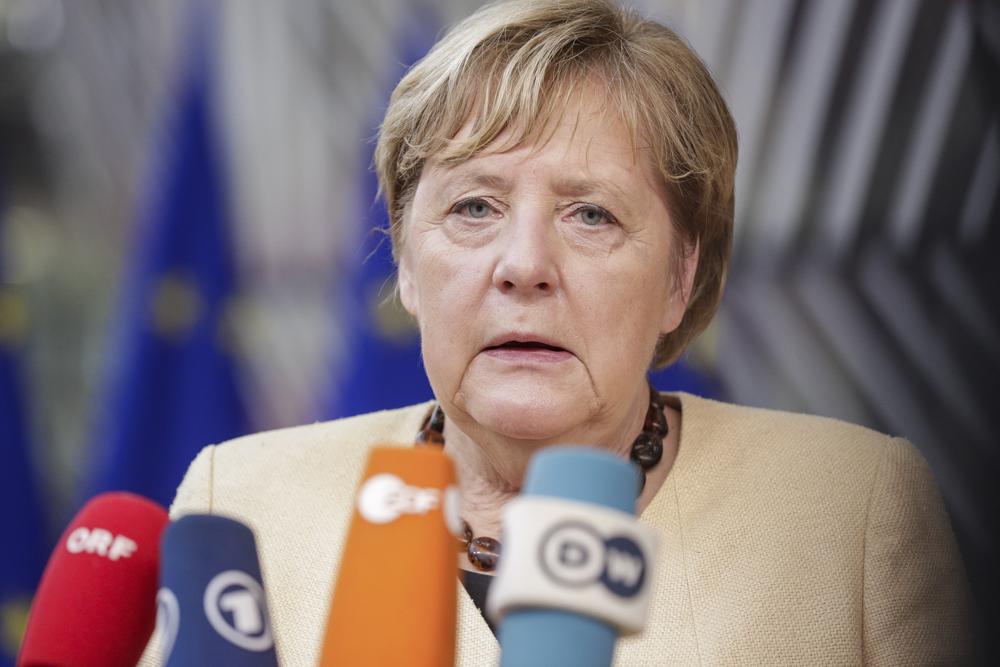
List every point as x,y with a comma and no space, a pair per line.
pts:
541,279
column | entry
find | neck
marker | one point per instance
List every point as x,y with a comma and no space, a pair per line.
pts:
491,467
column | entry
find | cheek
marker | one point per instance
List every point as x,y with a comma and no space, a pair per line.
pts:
450,293
622,314
446,282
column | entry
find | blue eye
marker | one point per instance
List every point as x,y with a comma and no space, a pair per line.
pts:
592,216
474,208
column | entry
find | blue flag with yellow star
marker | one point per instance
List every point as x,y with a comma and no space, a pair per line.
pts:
383,367
21,517
172,385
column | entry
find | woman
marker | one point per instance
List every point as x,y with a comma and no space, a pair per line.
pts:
559,177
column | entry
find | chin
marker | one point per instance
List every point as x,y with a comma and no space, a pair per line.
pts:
527,415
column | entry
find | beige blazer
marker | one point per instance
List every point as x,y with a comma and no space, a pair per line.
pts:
784,540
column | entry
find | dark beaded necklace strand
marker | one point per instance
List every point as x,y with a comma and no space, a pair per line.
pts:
647,450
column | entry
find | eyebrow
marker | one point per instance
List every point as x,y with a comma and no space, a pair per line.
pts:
569,186
578,187
573,187
483,180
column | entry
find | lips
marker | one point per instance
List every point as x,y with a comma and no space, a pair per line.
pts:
528,349
525,345
523,342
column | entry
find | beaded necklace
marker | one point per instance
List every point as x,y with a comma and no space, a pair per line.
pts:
647,450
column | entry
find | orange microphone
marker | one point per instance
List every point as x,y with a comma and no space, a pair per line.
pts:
394,598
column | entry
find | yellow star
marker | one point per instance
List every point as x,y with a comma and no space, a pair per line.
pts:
13,619
392,322
175,306
13,317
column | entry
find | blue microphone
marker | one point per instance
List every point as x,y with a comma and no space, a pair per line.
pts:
211,607
577,566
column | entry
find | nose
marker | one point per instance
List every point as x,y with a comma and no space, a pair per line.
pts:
527,263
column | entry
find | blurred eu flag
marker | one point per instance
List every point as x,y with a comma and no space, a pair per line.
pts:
173,381
383,367
682,375
21,518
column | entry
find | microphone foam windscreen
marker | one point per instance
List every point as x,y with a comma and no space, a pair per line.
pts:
212,607
395,595
96,603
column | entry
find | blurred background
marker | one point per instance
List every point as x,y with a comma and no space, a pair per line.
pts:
187,250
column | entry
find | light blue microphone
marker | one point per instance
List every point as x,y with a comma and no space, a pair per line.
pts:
577,566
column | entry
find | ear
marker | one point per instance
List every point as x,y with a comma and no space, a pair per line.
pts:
407,289
680,294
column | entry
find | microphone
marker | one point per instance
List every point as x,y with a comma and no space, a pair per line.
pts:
394,599
577,566
211,607
95,603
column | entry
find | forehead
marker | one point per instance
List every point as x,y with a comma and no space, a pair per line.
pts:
584,143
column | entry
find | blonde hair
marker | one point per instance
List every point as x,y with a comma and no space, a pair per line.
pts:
512,66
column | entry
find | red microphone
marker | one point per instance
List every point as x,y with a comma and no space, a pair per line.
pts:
96,603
